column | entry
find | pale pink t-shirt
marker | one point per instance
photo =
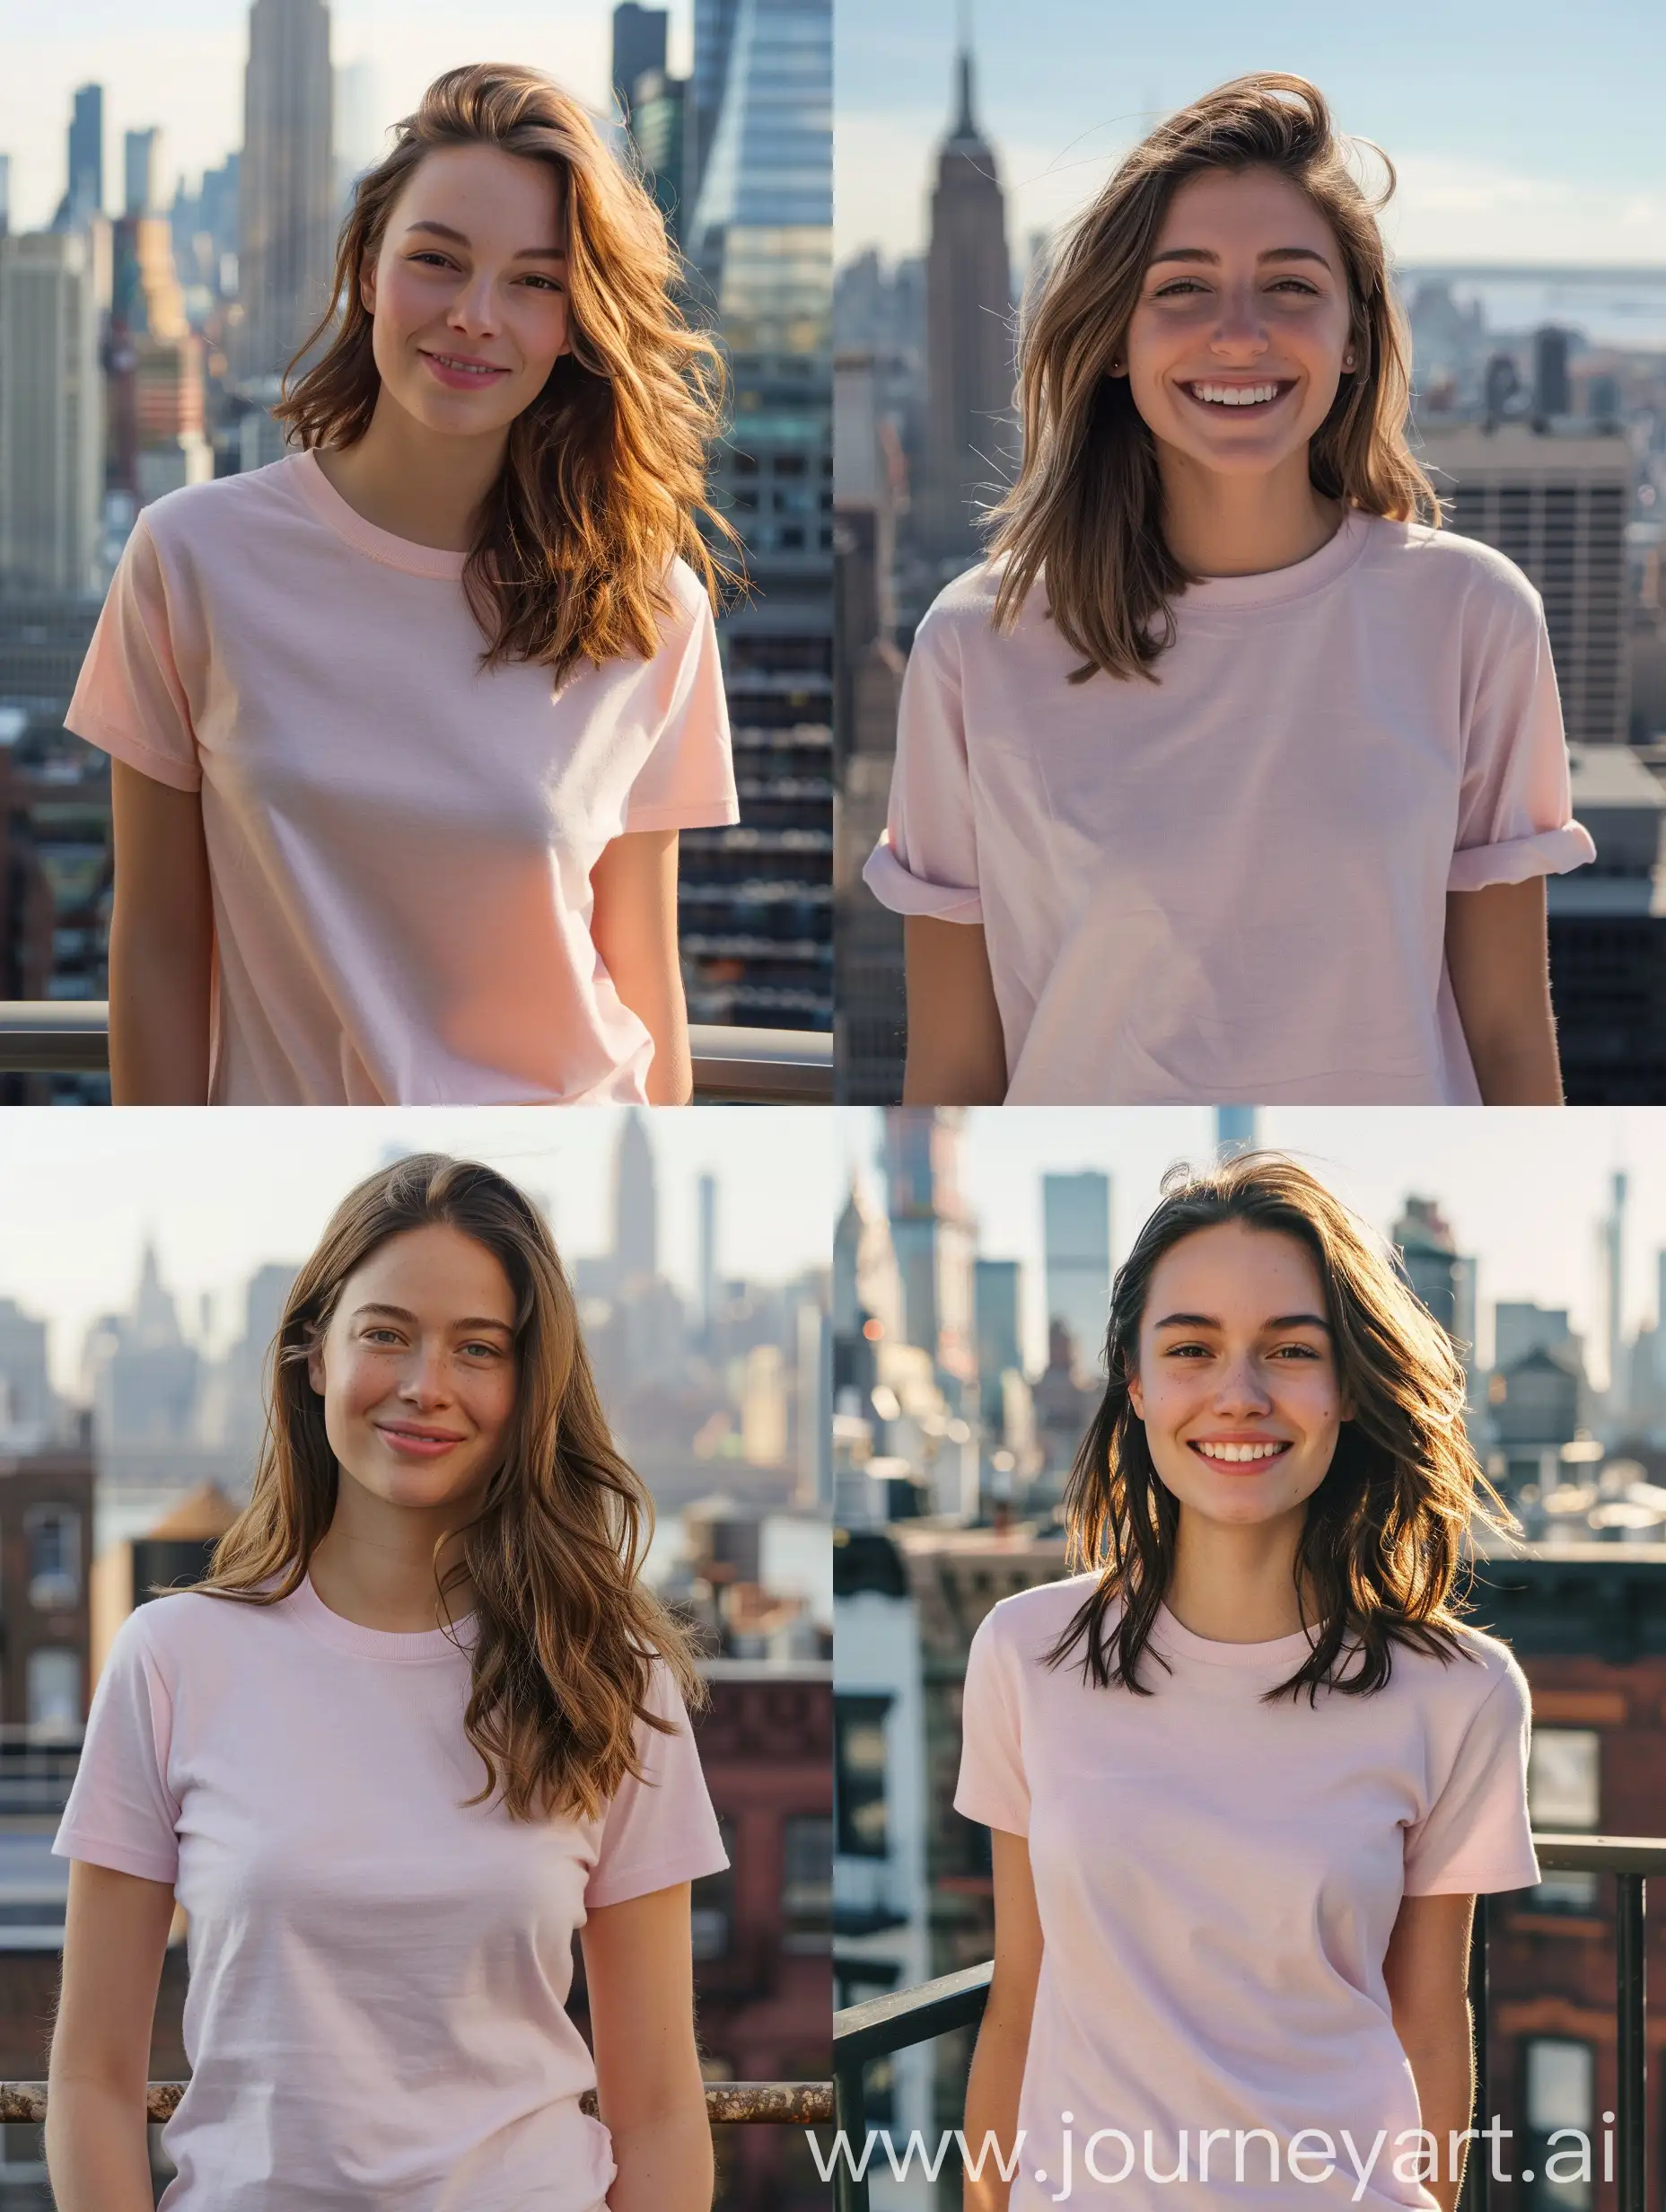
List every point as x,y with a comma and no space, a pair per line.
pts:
378,1973
1231,884
399,845
1217,1881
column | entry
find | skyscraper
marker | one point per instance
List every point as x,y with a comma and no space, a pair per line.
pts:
85,197
1075,1236
286,197
996,1291
51,412
708,1257
932,1235
141,160
636,1205
1429,1252
713,34
968,334
638,46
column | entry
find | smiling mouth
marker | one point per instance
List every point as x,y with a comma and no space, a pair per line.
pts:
1240,398
1241,1454
466,368
416,1435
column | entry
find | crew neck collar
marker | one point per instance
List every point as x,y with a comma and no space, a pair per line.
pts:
403,1647
1275,587
350,526
1282,1654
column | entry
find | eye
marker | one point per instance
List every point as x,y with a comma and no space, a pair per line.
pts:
1297,1351
1187,1351
370,1335
1177,285
1301,284
427,253
548,283
492,1351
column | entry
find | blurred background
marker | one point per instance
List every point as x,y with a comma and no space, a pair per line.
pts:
172,180
140,1283
1529,231
972,1266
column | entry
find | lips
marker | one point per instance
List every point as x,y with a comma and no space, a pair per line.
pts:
1240,1451
1237,396
421,1442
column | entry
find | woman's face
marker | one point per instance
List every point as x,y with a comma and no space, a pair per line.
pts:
416,1369
1237,1379
472,271
1236,345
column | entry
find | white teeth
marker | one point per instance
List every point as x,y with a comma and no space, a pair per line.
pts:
469,368
1239,1453
1234,395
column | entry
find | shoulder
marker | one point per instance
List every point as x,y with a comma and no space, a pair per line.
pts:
169,1633
184,520
1030,1621
1440,568
1482,1672
962,610
690,601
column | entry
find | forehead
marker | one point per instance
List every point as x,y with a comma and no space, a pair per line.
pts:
484,191
432,1268
1232,1268
1252,209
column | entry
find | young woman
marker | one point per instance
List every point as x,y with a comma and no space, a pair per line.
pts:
1245,1774
405,725
420,1723
1229,777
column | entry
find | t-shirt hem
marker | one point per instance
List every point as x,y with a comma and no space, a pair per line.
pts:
698,814
94,1851
989,1815
1517,860
618,1889
1473,1881
904,892
122,745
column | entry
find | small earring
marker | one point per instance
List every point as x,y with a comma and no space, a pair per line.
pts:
1347,361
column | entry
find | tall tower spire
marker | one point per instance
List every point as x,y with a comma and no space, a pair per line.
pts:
966,123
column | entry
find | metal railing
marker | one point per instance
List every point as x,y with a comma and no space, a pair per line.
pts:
905,2017
733,1064
805,2104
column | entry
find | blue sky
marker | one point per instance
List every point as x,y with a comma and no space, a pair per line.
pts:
1522,1187
1522,129
179,63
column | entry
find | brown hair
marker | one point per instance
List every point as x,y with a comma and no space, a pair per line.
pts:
1381,1540
603,481
1086,511
565,1632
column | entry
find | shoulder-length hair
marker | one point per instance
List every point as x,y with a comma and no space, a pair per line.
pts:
1381,1542
603,483
564,1632
1085,517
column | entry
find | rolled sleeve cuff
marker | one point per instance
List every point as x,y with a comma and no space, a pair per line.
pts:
1548,852
895,887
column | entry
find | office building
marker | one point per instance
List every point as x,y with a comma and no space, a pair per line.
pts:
1607,935
51,412
286,199
969,338
995,1296
932,1236
636,1204
658,124
1429,1256
1556,505
140,165
6,193
714,35
638,47
84,197
1076,1217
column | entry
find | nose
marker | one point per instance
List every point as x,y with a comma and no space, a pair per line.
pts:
1240,329
424,1379
1241,1388
472,307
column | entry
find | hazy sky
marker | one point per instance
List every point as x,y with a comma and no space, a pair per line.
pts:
1523,1189
222,1192
179,63
1522,129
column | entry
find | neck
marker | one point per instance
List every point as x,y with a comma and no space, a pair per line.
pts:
1242,525
375,1565
1237,1585
407,480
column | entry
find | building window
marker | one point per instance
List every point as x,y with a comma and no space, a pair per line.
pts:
1564,1791
53,1536
712,1905
859,1776
1561,2094
54,1692
807,1883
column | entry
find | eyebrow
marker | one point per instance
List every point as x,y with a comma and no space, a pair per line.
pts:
400,1313
1272,253
527,253
1210,1320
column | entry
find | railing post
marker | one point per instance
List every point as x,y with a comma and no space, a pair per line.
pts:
1477,2179
850,2124
1631,1971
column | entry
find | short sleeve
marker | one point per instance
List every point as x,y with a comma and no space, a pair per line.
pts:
121,1812
129,700
926,860
688,779
661,1828
1476,1835
1515,813
992,1787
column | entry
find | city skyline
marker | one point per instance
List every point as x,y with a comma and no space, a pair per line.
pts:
183,72
214,1223
1542,1251
1557,163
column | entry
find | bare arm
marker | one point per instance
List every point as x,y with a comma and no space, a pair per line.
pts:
1428,1972
1497,958
160,944
957,1055
639,1972
115,1933
998,2070
635,929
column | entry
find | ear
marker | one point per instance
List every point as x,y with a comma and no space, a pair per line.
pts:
367,285
315,1368
1137,1397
